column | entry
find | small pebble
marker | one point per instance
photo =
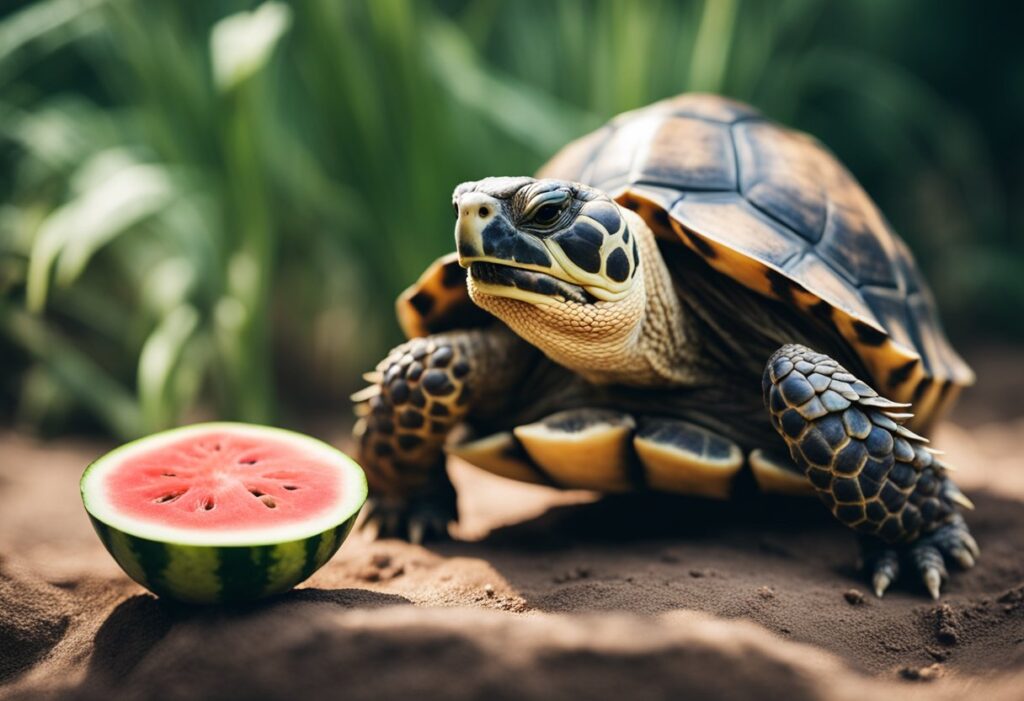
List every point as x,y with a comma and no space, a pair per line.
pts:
489,590
922,674
853,597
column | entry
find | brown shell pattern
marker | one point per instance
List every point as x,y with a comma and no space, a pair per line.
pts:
768,206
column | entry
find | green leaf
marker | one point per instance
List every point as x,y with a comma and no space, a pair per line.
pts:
158,360
112,205
241,44
91,387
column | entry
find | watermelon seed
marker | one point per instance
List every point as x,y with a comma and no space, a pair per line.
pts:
208,504
167,498
169,474
256,493
290,487
248,461
268,501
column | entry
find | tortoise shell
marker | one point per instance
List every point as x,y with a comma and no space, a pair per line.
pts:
767,206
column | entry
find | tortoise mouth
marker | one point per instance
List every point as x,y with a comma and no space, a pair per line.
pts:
496,275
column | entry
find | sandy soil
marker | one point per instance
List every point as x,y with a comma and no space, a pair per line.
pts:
545,595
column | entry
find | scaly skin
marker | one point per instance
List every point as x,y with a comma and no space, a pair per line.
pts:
424,389
582,280
873,474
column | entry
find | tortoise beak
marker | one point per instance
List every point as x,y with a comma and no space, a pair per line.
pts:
476,211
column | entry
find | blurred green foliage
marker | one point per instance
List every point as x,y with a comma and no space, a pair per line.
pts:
208,208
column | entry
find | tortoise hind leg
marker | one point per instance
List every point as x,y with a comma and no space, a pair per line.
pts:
875,475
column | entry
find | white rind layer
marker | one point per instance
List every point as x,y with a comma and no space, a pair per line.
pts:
352,487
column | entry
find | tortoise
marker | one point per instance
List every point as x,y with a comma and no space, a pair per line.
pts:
687,297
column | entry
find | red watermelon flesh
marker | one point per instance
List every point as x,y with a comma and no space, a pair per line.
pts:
224,479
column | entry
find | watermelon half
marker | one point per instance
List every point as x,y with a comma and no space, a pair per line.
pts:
223,512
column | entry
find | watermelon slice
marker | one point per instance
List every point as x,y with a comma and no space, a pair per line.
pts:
223,511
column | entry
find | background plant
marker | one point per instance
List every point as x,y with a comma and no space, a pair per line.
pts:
208,208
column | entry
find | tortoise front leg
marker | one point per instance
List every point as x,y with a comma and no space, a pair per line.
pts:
875,475
422,390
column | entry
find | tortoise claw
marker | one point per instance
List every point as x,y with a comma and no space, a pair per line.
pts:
928,556
417,520
881,582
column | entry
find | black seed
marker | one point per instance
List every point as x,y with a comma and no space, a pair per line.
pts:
409,442
436,382
442,356
879,442
868,335
439,410
617,266
461,368
410,418
796,389
399,392
846,489
850,513
849,459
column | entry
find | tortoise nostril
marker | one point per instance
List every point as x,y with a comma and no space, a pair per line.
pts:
483,212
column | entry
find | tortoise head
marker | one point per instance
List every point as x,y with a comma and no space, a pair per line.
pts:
557,261
543,242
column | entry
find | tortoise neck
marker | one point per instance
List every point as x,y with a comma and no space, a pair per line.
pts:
663,352
645,340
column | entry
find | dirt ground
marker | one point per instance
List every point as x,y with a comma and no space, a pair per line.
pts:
544,595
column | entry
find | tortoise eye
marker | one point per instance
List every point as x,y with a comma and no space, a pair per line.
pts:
547,214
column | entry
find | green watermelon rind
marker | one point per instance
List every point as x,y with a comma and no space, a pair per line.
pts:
207,569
